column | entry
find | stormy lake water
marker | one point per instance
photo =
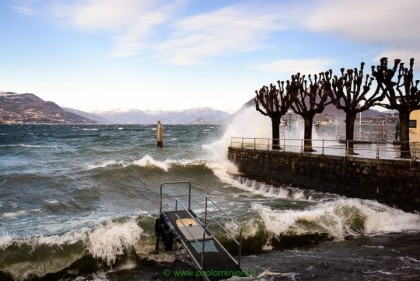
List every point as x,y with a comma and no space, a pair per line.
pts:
78,202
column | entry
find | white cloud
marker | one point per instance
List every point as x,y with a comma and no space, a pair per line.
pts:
138,36
101,14
129,23
374,21
224,31
135,25
305,66
133,20
389,23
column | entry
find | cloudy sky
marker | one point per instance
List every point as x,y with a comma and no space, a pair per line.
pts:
179,54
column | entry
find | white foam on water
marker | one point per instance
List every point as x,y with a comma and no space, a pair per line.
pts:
409,260
37,146
110,240
186,162
225,171
5,241
267,190
100,277
390,220
248,123
22,270
148,161
339,218
166,165
125,266
106,242
249,228
11,215
106,164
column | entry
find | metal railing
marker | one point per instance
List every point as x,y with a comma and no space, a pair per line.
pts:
377,149
203,228
238,241
203,225
175,184
206,230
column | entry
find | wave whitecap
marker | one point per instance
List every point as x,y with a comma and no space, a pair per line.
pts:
339,218
109,240
48,254
148,161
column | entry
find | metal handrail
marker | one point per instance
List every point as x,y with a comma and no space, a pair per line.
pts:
202,225
220,209
205,229
381,149
239,243
175,196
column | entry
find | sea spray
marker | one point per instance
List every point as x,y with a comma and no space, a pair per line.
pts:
247,123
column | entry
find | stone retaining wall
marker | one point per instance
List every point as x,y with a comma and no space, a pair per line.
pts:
393,182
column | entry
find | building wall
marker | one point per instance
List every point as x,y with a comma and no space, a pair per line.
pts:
415,132
393,182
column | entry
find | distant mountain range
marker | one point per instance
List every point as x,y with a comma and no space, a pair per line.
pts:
28,108
133,116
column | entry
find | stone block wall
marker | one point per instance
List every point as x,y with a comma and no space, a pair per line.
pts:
393,182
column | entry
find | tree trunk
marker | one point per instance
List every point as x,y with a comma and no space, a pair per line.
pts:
350,119
308,134
405,134
275,124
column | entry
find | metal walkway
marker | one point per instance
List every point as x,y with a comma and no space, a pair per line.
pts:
195,236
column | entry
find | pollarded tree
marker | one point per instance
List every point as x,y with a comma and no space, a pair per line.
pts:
309,100
402,95
350,93
275,103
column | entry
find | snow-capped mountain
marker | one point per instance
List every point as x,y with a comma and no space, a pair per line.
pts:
190,116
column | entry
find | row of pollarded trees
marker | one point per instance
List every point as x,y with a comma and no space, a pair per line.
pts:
394,88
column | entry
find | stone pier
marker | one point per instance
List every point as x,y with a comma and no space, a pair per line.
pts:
392,182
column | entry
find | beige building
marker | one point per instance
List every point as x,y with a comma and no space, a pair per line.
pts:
415,126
